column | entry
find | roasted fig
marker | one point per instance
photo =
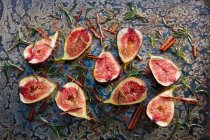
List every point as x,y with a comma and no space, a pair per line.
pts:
35,88
106,68
129,42
161,110
71,99
129,91
76,43
41,50
165,71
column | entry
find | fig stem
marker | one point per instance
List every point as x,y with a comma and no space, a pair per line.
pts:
150,55
58,59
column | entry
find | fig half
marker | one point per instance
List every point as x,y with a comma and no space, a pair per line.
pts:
33,89
129,91
71,99
129,42
165,71
161,110
106,68
41,50
76,43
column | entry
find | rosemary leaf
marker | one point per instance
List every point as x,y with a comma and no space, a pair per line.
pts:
87,11
7,68
55,128
153,40
178,51
18,39
134,13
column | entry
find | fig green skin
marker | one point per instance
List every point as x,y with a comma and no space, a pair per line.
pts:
66,56
178,74
157,118
45,95
81,92
119,44
142,98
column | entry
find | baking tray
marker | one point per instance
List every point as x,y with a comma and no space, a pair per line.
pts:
13,119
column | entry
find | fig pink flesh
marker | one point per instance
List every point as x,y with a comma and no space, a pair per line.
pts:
130,91
163,70
130,43
34,89
160,109
77,42
40,51
106,68
71,99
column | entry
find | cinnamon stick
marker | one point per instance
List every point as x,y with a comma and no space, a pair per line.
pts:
92,57
95,95
139,57
110,31
115,27
194,51
42,33
135,117
99,25
77,18
74,80
31,114
43,107
92,28
169,42
185,100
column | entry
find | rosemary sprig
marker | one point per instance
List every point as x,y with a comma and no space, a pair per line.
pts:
185,84
33,29
87,11
78,70
153,40
55,128
134,13
109,18
177,126
133,71
88,93
58,17
55,72
182,33
18,39
8,66
187,124
67,13
178,51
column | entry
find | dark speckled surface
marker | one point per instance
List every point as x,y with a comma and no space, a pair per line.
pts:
13,116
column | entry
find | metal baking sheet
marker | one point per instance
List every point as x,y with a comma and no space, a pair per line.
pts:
191,13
